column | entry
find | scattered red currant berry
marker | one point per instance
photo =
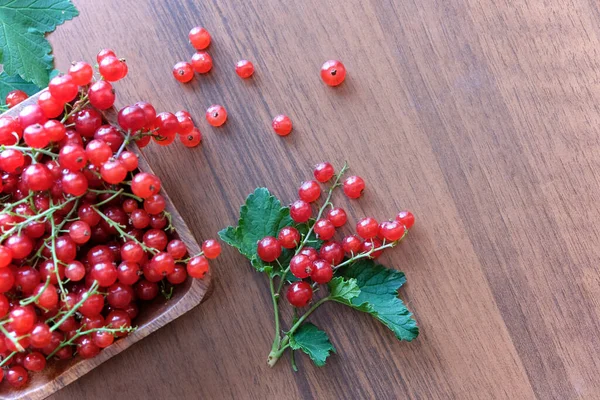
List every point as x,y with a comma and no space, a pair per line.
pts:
197,267
289,237
391,230
192,138
322,272
16,376
354,186
367,228
282,125
199,38
202,62
15,97
300,211
183,72
269,249
299,294
309,191
324,229
104,53
185,122
112,69
337,216
216,115
351,244
211,248
333,72
81,72
323,172
244,69
406,218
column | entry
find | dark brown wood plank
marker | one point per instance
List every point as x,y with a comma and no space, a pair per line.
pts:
479,115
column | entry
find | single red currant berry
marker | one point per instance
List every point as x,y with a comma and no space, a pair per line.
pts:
75,271
183,72
101,95
211,248
36,136
192,138
199,38
149,111
72,157
391,230
351,244
132,118
309,191
216,115
87,122
112,69
185,122
163,263
323,172
301,266
282,125
80,232
128,272
63,88
333,72
74,183
337,216
118,319
354,186
14,97
56,130
332,252
289,237
202,62
197,267
81,72
16,376
29,115
11,160
40,335
406,218
244,69
37,177
51,107
104,53
154,204
113,172
299,294
269,249
98,152
129,160
300,211
5,256
23,318
368,245
102,339
167,125
367,228
176,248
322,272
324,229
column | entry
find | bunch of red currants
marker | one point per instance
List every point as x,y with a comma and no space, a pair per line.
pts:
85,239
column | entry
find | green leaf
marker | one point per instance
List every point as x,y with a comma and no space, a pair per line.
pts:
313,342
379,296
10,83
343,290
24,50
262,215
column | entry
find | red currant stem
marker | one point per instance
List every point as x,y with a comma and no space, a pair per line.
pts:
29,150
169,217
83,101
293,361
366,254
92,290
108,200
11,338
277,337
32,218
126,141
7,358
63,291
9,206
186,260
119,229
133,196
33,299
89,331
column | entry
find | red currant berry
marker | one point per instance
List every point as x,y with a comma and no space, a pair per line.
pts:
322,272
178,276
192,138
7,279
48,297
17,376
299,294
102,339
40,335
132,252
202,62
72,157
216,115
51,107
74,183
15,97
332,252
149,111
63,88
197,267
75,271
113,172
5,256
199,38
244,69
56,130
354,186
177,249
118,319
129,160
337,216
87,122
309,191
167,125
391,230
98,152
154,204
269,249
282,125
37,177
185,122
324,229
105,273
101,95
104,53
81,72
374,243
211,248
289,237
140,219
132,118
351,244
156,238
29,115
86,347
23,318
367,228
300,211
323,172
80,232
333,72
406,218
183,72
128,272
301,266
112,69
11,160
163,263
119,295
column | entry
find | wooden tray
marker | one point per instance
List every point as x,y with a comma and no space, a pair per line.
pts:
153,316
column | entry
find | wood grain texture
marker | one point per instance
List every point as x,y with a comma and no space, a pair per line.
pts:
481,116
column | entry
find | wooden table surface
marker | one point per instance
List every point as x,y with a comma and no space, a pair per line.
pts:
481,116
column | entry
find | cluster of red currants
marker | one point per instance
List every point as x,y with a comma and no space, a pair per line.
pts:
85,238
333,73
370,240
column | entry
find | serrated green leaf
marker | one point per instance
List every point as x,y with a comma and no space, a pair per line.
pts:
313,342
262,215
343,290
24,50
10,83
379,296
